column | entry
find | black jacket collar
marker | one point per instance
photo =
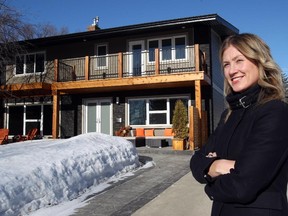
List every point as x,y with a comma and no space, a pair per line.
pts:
243,99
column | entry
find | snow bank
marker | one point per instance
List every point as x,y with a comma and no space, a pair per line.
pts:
41,173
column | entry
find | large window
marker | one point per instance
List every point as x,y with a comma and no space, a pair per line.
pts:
30,63
25,117
152,111
171,48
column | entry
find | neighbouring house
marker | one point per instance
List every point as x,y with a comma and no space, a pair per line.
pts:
103,79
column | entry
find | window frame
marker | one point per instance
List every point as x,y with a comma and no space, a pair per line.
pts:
24,63
148,111
173,48
41,120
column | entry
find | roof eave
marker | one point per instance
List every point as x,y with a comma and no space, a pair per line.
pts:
212,20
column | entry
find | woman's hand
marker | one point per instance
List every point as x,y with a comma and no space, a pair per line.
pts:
221,167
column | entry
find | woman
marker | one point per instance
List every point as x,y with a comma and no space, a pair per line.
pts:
244,163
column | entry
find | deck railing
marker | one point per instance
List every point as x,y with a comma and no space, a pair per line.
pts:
128,64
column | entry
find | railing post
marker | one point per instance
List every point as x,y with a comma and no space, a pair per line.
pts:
157,61
120,65
87,63
197,57
56,70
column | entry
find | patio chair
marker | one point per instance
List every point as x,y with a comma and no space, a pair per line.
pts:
30,135
4,136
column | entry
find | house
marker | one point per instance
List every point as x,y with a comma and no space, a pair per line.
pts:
103,79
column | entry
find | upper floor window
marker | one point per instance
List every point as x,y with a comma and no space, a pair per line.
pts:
171,48
30,63
101,55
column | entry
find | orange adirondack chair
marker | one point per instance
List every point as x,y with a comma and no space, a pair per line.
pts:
4,136
31,134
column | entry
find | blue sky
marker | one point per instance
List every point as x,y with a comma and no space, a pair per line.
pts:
266,18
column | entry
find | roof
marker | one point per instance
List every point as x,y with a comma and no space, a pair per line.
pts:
218,24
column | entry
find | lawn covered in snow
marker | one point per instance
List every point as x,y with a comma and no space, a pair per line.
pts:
41,173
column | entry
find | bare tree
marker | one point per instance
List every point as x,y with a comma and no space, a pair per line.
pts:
31,31
14,35
10,32
13,30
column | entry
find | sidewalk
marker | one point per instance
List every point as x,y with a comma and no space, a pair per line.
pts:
185,197
167,189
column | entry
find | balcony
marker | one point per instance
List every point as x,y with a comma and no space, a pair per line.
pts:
115,72
129,71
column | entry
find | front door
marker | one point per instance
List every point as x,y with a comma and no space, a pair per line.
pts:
136,49
98,116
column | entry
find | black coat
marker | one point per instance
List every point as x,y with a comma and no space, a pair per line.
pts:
257,139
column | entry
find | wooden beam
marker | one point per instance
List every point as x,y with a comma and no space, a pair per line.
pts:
198,100
55,118
191,128
87,64
26,86
198,103
129,82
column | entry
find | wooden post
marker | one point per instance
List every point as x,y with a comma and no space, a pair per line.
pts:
56,69
198,103
87,64
191,128
55,120
120,65
157,61
197,57
198,100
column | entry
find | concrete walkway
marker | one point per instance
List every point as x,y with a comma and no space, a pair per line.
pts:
184,197
167,189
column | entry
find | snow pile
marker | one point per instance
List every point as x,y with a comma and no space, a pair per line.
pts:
41,173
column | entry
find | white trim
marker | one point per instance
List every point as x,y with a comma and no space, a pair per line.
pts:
167,111
173,48
25,65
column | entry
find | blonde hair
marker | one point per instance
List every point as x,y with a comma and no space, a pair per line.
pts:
258,52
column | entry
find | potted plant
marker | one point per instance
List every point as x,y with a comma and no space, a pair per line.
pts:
179,126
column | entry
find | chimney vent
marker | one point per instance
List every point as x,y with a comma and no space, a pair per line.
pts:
94,25
95,21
